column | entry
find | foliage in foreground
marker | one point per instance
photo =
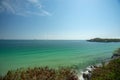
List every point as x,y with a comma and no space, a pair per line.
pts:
41,73
108,72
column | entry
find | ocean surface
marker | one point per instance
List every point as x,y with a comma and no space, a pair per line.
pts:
53,53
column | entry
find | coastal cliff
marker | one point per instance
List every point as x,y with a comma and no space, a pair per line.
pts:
111,71
107,70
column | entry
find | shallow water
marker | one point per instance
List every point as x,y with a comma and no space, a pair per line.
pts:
53,53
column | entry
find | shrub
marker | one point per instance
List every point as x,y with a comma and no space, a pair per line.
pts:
41,73
109,72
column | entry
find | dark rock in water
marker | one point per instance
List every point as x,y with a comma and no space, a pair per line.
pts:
115,56
85,76
95,66
91,66
90,71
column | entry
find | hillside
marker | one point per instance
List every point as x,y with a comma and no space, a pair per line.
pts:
111,71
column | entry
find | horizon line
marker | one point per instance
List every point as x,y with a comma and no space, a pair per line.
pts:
61,39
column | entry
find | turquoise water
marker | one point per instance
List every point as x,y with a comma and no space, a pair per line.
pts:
53,53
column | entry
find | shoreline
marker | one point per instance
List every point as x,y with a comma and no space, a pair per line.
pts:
86,75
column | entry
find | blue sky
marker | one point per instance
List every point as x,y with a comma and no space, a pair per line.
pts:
59,19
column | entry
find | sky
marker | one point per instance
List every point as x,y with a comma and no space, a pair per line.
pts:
59,19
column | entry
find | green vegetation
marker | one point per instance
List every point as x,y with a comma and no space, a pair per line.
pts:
103,40
108,72
111,71
117,52
41,74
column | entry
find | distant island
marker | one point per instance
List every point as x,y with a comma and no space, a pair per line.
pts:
103,40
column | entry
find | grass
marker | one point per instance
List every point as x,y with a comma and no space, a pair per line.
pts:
41,73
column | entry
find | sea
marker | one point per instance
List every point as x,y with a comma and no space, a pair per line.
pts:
15,54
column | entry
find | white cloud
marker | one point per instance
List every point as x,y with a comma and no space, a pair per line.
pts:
6,6
46,13
23,7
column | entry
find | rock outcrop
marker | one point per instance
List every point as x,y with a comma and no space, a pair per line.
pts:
116,54
86,74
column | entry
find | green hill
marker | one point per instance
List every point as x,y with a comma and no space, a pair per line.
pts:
103,40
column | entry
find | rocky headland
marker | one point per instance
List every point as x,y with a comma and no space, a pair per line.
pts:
103,40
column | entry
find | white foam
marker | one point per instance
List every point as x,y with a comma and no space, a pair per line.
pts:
85,72
81,77
89,68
